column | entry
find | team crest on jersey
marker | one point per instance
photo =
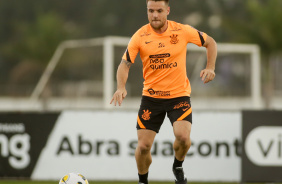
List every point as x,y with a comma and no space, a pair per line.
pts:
174,39
146,114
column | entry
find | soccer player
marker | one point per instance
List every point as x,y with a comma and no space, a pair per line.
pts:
162,46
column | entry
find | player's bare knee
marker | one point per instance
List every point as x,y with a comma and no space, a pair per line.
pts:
182,138
144,148
183,141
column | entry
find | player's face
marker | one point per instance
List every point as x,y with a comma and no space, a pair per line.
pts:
157,14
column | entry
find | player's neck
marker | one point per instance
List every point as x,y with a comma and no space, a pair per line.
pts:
162,29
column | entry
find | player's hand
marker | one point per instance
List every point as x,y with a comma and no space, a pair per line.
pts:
118,96
207,75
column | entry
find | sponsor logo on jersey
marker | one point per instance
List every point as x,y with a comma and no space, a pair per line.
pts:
163,66
145,34
158,93
157,63
165,55
161,45
176,29
151,91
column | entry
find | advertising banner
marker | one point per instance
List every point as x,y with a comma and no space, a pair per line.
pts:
101,146
262,155
22,138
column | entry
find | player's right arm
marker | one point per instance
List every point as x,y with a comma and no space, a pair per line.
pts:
122,76
123,68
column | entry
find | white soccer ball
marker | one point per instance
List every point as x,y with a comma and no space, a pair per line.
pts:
73,178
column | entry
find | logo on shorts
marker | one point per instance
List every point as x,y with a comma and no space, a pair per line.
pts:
174,39
182,104
146,114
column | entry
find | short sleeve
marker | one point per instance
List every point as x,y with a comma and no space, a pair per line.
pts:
132,48
195,36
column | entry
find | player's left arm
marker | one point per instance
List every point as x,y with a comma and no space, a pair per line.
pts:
208,73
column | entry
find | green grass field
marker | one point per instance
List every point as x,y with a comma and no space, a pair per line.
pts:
91,182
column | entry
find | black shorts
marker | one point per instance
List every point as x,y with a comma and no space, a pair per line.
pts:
153,110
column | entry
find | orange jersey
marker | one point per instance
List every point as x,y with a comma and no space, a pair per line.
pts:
164,58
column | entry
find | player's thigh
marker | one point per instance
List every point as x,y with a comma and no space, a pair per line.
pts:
182,130
179,112
146,138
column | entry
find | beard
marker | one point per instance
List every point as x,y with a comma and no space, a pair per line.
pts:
157,24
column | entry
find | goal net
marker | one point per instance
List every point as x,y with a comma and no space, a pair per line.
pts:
82,74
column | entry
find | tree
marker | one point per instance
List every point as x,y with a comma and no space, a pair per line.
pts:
259,22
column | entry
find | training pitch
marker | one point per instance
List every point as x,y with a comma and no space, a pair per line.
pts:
98,182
